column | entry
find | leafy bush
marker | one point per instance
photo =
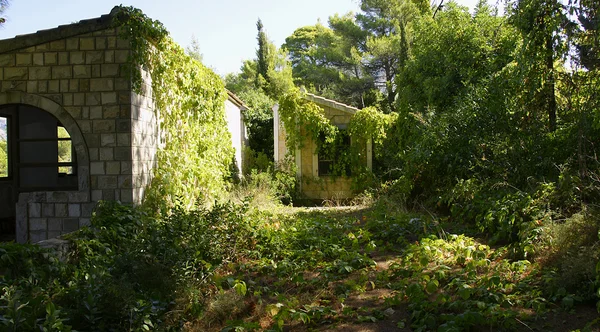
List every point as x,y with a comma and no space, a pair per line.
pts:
571,248
458,284
267,188
30,279
125,272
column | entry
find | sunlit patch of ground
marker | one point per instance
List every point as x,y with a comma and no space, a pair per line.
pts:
332,293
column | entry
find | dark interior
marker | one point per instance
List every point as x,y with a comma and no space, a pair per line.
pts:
39,158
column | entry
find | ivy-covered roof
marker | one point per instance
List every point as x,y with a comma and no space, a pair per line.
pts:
60,32
329,103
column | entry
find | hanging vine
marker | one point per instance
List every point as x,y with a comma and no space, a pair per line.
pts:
371,124
305,121
189,99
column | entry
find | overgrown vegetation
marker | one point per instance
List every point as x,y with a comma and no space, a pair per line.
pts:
236,266
128,271
194,162
486,126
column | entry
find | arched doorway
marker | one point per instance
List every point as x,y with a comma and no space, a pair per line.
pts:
37,155
41,151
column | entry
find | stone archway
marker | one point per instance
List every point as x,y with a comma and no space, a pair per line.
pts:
33,222
48,105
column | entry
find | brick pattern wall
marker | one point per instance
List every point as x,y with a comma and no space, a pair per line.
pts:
86,76
145,138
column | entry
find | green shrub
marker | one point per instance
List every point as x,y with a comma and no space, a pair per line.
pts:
125,272
572,249
30,278
269,188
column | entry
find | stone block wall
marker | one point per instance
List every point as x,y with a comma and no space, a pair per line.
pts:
145,138
50,214
82,80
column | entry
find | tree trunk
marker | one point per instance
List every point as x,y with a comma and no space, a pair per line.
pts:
550,85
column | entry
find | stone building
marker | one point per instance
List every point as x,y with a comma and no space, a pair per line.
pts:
76,132
234,113
314,171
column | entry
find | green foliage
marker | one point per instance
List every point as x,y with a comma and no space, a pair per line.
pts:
568,247
64,150
446,62
189,98
356,59
542,25
268,187
303,119
261,82
123,273
263,53
259,121
457,284
469,144
31,277
371,124
3,157
237,266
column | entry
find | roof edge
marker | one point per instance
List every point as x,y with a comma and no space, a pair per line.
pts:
236,100
60,32
329,103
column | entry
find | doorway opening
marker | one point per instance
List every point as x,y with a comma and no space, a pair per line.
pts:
36,154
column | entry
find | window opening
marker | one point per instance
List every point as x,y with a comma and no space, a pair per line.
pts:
333,154
46,159
65,152
4,157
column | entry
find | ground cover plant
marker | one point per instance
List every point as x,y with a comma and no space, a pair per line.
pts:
484,214
235,267
339,268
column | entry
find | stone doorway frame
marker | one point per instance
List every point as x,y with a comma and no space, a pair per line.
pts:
82,194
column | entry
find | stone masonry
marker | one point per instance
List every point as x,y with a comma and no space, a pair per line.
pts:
78,73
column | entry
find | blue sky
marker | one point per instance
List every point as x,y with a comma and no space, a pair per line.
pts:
225,29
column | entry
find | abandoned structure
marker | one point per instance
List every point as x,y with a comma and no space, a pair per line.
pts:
74,129
314,171
234,112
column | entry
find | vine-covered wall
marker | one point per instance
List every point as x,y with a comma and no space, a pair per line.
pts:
194,158
310,125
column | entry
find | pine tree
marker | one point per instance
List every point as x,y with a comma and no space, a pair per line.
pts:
262,56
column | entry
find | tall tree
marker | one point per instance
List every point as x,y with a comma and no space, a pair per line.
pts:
586,32
310,50
328,61
263,55
193,50
387,24
542,24
260,82
356,82
3,6
447,62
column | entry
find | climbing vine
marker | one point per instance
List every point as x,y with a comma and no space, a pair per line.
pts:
194,160
304,120
370,123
